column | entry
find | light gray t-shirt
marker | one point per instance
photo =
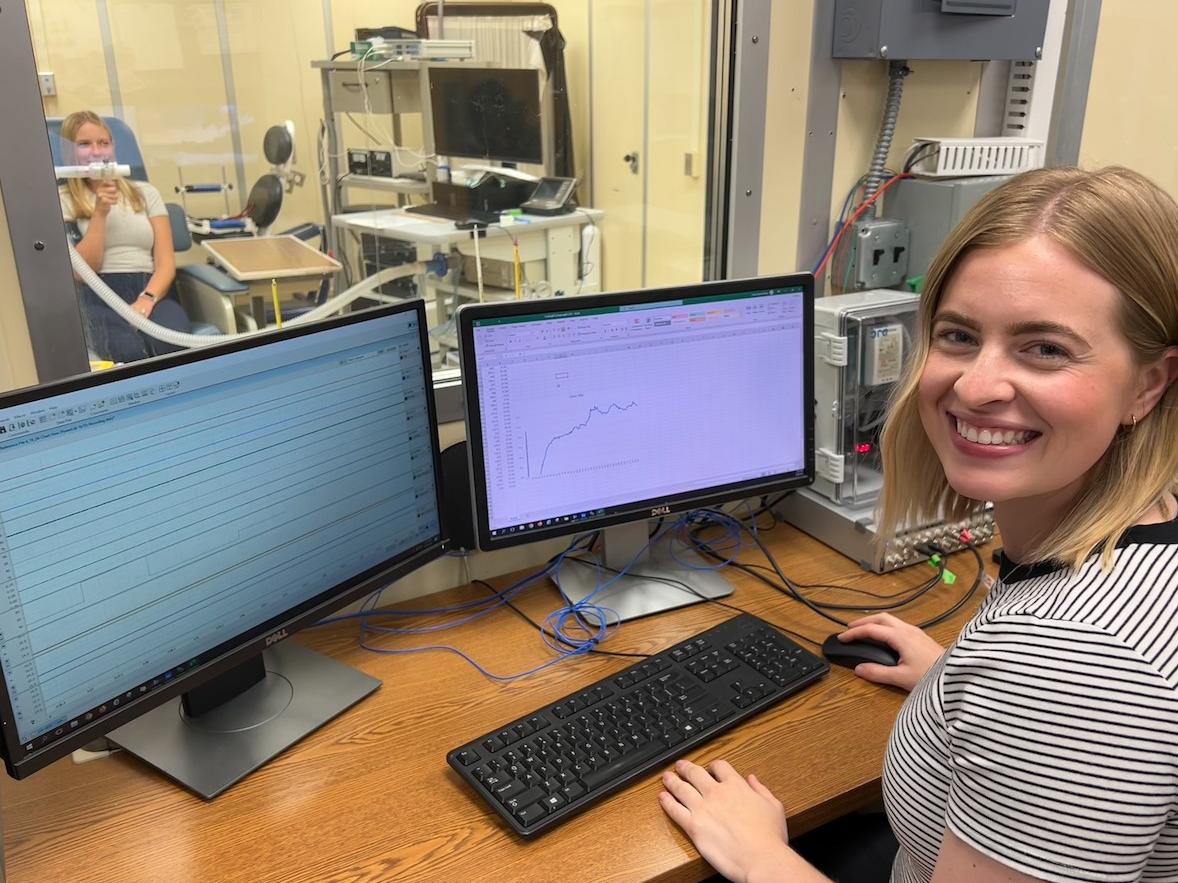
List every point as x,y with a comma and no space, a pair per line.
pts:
129,237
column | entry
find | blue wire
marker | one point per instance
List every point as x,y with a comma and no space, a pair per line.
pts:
559,618
560,636
839,225
495,677
494,601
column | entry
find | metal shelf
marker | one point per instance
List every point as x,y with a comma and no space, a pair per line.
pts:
375,182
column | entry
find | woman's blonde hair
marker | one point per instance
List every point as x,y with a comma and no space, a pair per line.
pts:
80,196
1121,226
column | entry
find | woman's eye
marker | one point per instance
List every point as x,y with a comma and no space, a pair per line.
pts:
1049,351
954,336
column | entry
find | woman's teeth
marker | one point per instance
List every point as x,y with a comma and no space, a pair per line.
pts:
983,436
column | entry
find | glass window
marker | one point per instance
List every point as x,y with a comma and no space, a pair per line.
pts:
292,151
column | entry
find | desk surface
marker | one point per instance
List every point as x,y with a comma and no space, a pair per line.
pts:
412,227
370,797
252,258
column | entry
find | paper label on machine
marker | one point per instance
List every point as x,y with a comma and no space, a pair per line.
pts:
884,358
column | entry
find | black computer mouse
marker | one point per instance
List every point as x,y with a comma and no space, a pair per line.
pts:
852,653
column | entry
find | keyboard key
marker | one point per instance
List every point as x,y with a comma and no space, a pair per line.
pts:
554,801
573,790
467,757
524,798
492,744
531,814
508,790
625,763
523,729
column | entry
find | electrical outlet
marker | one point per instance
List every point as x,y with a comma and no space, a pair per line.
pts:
881,253
48,83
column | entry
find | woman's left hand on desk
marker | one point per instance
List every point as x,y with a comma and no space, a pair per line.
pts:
737,825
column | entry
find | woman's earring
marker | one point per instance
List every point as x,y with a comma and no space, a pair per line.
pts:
1134,426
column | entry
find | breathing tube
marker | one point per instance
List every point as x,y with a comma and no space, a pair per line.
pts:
179,338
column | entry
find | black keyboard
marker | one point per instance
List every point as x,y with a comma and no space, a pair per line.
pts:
437,210
541,769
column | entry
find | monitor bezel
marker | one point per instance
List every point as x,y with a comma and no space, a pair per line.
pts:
21,762
438,122
639,510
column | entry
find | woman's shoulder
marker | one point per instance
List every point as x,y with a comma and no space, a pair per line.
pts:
1125,609
147,189
151,197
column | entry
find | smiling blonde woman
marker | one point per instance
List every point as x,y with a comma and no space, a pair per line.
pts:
1040,745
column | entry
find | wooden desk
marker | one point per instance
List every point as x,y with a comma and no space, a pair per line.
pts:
370,797
266,264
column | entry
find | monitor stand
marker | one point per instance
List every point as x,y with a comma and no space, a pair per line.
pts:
641,591
294,693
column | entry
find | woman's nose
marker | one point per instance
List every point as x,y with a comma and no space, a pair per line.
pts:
986,378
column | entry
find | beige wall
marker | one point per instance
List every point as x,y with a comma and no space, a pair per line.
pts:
940,98
1130,117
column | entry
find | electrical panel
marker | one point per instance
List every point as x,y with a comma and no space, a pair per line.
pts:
862,341
946,30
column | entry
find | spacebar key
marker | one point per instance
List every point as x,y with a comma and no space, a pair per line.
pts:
615,769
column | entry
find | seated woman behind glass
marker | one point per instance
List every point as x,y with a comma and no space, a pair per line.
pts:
126,238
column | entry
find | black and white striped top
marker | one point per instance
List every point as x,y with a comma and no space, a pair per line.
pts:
1046,737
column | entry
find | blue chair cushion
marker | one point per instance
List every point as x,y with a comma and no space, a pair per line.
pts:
212,277
181,238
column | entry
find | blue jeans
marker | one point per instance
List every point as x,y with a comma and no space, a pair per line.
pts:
109,336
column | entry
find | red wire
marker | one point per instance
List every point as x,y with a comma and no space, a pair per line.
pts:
851,220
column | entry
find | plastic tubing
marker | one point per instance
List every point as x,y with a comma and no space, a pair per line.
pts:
103,171
179,338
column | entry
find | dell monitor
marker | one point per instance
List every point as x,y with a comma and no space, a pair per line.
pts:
487,113
607,411
165,526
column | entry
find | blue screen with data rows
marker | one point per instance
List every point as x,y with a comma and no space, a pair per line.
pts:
145,521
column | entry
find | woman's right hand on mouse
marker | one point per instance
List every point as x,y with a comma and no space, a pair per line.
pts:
917,650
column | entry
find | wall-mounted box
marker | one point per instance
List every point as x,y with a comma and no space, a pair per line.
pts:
947,30
931,208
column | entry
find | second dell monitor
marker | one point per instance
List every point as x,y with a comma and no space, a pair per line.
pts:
609,410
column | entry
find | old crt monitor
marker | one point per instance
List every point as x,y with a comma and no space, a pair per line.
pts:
606,411
487,113
165,526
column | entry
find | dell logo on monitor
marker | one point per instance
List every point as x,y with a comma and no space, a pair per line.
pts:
660,510
276,637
